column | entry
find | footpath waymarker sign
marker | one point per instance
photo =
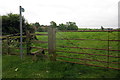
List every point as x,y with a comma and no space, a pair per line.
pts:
21,49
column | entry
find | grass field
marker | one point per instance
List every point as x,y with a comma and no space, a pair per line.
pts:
45,69
27,68
86,44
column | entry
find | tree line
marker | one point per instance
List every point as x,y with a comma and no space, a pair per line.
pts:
11,25
68,26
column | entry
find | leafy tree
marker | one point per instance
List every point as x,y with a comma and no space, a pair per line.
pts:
29,27
37,24
71,26
62,27
10,23
53,24
68,26
40,29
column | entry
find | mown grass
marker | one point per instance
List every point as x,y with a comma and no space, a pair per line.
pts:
27,68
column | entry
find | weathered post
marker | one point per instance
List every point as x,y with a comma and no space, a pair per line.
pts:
8,44
28,42
52,43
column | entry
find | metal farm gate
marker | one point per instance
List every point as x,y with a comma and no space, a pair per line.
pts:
72,49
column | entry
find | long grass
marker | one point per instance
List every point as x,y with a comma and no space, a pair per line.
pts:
47,69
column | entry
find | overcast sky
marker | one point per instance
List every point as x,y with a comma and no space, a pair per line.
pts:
86,13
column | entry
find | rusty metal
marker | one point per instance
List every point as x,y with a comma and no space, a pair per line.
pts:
88,64
38,41
87,48
39,48
89,39
87,59
88,54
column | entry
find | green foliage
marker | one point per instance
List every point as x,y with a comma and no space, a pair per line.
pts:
29,27
71,26
102,28
37,25
68,26
40,29
10,23
53,24
62,27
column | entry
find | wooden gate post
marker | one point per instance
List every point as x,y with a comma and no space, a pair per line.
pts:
52,43
28,42
8,44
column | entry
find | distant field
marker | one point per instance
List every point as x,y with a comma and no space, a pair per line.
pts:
65,70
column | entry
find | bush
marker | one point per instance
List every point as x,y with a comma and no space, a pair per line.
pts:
40,29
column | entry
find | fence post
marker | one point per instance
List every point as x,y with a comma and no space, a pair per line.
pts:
8,44
52,43
28,42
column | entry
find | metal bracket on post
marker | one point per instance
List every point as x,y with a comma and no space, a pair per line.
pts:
52,43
